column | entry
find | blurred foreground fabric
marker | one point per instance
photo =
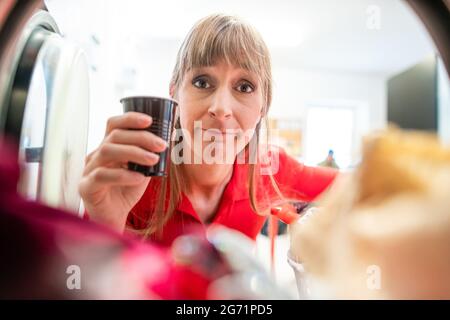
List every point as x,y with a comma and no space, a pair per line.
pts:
46,253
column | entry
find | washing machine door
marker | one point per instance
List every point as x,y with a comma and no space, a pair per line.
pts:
46,108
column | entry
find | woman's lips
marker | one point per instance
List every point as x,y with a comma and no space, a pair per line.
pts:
220,136
217,131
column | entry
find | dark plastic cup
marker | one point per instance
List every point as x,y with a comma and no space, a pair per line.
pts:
162,111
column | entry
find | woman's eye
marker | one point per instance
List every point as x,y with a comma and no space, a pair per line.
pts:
201,83
245,88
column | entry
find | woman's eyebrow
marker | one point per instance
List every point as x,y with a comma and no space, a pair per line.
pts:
201,72
240,73
246,73
249,76
203,69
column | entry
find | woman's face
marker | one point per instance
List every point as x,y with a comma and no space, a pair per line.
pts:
221,103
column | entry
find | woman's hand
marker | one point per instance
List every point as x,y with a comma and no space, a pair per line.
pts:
108,189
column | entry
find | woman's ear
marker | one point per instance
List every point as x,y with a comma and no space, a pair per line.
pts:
172,90
263,111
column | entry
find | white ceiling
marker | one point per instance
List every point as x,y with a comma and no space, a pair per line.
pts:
314,34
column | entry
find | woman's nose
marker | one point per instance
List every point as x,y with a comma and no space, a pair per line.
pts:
221,106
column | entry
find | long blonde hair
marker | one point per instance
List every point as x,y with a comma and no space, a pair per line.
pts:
213,38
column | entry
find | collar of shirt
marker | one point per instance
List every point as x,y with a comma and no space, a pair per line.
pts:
235,190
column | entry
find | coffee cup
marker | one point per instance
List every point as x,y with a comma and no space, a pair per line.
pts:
162,111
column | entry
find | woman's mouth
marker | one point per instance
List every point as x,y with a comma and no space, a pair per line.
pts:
213,134
222,132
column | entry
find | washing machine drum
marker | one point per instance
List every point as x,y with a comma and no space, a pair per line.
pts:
44,108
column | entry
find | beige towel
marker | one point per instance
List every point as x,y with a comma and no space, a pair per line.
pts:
384,230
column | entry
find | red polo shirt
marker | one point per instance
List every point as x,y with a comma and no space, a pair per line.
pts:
293,178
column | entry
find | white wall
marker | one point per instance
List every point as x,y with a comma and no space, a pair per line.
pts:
296,88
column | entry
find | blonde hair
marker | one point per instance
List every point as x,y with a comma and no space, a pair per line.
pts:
213,38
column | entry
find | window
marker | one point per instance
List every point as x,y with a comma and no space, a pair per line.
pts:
329,128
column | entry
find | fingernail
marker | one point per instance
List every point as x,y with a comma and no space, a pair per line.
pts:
151,156
162,143
146,118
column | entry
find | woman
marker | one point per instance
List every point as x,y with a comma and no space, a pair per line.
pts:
222,80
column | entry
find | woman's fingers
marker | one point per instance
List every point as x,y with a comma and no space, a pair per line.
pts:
128,120
118,154
122,144
102,177
141,138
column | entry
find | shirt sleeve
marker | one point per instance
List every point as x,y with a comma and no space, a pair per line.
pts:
300,181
